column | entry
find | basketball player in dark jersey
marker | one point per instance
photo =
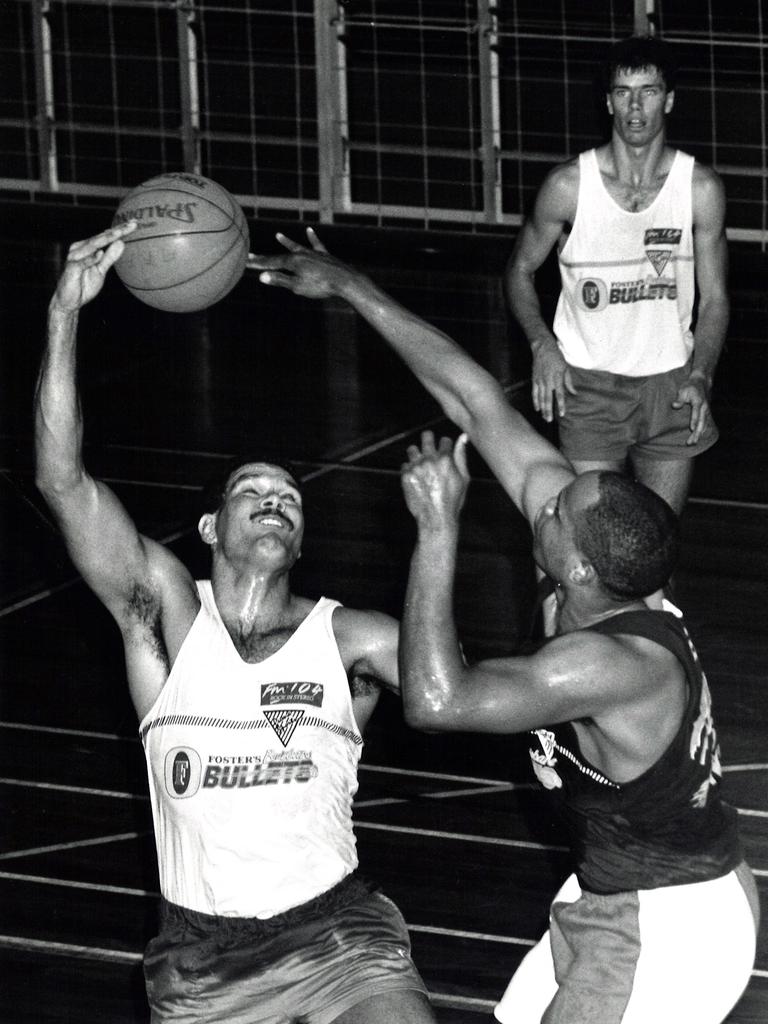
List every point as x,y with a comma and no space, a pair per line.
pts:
658,921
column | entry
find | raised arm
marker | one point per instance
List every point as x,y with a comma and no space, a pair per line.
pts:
129,573
528,467
554,210
566,680
710,253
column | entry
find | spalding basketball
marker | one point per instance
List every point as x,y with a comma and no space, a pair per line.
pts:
190,246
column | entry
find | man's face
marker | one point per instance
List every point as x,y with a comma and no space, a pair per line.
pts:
554,533
262,508
639,102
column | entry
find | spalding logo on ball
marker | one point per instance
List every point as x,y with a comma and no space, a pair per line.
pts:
190,246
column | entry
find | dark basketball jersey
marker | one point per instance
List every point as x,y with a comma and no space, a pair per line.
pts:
669,826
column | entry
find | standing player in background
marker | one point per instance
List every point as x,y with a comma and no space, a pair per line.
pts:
638,225
251,702
658,921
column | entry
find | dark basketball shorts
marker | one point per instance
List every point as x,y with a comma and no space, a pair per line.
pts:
680,954
612,415
310,964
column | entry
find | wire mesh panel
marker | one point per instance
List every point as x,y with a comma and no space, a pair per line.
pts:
116,92
721,110
437,112
256,70
549,89
18,94
413,103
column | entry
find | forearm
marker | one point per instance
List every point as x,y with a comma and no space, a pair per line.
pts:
431,665
524,303
709,336
459,384
58,420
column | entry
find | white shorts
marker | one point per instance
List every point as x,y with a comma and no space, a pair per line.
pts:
655,956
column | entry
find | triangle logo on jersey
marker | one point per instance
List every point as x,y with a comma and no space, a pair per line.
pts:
284,723
659,258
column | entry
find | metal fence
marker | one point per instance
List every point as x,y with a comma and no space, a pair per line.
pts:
439,113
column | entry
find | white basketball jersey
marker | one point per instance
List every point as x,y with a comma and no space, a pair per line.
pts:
252,769
628,278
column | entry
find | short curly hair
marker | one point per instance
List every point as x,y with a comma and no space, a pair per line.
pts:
630,535
638,52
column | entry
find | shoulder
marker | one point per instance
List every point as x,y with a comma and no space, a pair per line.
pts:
606,667
360,630
560,189
708,192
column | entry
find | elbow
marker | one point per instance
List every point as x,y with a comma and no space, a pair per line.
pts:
417,718
56,484
425,712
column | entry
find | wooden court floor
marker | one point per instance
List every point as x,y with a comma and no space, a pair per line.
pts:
451,827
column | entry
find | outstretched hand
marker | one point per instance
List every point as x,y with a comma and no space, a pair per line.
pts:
435,481
87,264
311,272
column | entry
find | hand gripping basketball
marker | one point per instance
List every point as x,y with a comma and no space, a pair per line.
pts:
190,246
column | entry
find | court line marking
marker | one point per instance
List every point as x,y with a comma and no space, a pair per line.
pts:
524,844
79,844
446,794
68,883
69,949
62,787
358,824
384,769
25,944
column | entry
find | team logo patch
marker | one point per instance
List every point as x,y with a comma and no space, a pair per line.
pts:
292,693
183,771
284,723
591,294
545,759
663,236
658,259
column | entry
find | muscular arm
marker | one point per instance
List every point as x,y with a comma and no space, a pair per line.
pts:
129,573
555,209
528,467
566,680
711,266
628,699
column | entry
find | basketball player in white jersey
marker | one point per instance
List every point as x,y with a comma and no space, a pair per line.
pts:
638,226
251,701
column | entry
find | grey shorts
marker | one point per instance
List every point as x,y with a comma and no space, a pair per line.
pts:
612,415
203,969
680,953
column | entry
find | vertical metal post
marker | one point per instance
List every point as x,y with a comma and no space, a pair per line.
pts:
490,118
330,79
645,11
46,135
189,92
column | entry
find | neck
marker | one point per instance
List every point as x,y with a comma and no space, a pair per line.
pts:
250,597
580,611
637,165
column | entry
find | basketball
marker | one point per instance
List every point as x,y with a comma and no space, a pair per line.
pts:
190,246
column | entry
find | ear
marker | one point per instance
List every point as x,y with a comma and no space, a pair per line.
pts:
669,102
609,104
581,573
207,528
